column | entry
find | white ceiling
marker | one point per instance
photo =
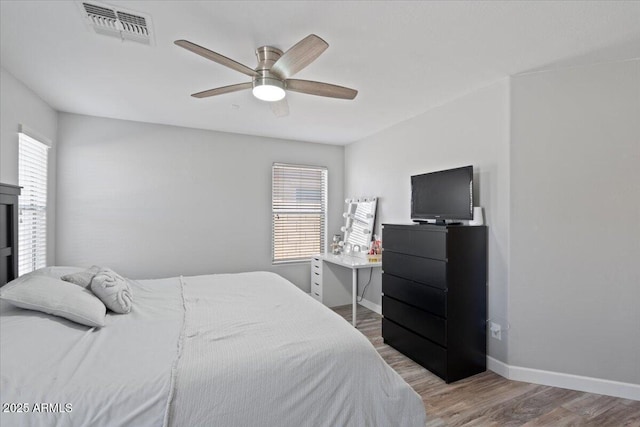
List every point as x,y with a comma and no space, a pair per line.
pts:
403,57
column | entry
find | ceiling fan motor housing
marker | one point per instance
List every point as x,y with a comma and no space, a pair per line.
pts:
267,56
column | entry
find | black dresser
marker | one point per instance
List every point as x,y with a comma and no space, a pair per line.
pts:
8,232
434,302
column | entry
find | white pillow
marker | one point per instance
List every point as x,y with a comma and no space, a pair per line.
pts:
53,296
54,272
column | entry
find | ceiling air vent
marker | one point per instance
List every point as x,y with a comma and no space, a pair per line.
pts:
117,22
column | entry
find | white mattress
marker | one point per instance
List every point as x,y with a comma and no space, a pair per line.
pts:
247,349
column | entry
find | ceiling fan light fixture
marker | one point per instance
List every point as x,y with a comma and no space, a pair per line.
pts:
268,89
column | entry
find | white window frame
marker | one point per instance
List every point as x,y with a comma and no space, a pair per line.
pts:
32,204
286,244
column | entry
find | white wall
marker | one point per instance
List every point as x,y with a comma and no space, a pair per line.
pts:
152,200
575,235
473,129
20,106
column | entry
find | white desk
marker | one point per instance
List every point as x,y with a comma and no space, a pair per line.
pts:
321,282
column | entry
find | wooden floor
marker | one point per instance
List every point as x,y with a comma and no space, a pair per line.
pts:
488,399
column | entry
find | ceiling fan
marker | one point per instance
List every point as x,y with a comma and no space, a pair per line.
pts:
272,77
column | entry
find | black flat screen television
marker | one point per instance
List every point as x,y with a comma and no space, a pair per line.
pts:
442,195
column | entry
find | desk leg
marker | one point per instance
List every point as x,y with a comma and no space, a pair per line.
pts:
354,293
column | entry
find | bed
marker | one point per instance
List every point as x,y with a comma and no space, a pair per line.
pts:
247,349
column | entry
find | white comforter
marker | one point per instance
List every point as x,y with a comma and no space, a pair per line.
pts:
247,349
119,375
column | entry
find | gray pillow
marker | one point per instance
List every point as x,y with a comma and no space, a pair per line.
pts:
56,297
82,278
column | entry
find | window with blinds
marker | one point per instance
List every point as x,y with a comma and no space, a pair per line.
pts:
299,208
32,227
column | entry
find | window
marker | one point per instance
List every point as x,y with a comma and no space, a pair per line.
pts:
32,228
299,207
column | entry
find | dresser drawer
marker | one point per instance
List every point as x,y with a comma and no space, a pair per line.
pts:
414,241
421,322
316,290
425,297
316,276
426,353
316,264
424,270
316,270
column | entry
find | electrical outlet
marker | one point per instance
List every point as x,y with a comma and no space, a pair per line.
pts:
496,331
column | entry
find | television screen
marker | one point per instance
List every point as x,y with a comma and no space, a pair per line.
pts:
442,195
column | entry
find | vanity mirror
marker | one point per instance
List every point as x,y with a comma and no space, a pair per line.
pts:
360,217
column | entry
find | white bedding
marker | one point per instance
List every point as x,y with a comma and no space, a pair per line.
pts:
116,375
248,349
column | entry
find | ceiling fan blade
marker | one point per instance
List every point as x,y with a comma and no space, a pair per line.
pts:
320,89
280,108
221,90
299,56
216,57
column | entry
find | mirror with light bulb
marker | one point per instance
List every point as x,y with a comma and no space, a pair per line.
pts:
360,217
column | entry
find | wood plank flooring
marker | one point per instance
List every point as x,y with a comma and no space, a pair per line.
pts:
488,399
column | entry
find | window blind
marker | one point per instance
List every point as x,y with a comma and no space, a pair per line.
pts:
32,204
299,206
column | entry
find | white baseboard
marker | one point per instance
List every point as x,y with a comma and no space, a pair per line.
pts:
498,367
371,306
570,381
